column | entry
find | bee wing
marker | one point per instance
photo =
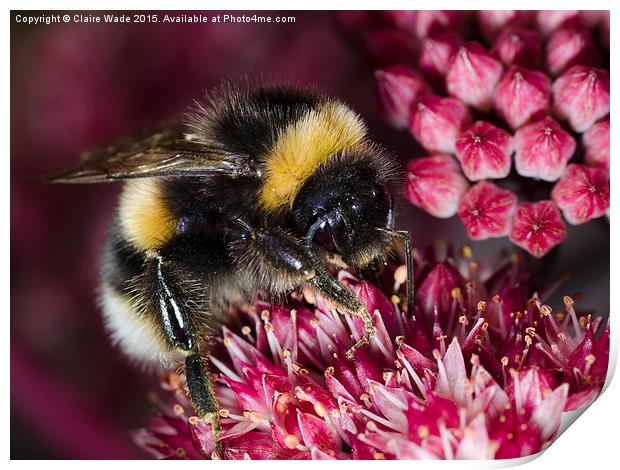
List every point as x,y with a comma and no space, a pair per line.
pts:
165,152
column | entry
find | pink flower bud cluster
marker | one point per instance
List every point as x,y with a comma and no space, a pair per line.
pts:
529,98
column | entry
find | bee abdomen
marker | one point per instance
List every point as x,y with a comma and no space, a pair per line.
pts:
137,337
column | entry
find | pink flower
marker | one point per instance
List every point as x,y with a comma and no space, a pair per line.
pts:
568,47
544,115
486,210
537,227
484,151
435,184
402,19
437,122
472,75
518,47
542,150
462,379
581,96
522,95
435,55
432,22
550,20
435,291
582,193
596,144
398,88
493,22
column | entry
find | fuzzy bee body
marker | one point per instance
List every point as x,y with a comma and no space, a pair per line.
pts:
251,194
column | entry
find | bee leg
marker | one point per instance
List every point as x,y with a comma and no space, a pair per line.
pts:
345,300
180,333
286,252
202,397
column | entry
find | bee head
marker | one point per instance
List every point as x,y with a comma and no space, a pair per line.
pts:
341,206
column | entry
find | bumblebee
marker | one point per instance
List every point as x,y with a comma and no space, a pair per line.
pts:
259,190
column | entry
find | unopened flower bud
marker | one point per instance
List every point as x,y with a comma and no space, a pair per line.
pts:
398,89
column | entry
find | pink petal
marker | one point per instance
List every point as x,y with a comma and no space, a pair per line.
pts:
391,402
248,397
432,22
487,211
493,22
435,184
375,299
484,151
472,75
402,19
596,144
435,289
318,454
405,450
522,95
518,47
590,359
415,358
398,90
475,444
582,193
516,438
547,414
451,385
581,399
435,55
437,122
537,227
542,150
568,47
337,389
550,20
316,432
529,387
581,96
255,446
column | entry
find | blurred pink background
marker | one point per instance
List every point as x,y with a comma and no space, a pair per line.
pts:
74,86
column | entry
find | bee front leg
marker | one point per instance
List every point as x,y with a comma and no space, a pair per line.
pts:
293,257
344,299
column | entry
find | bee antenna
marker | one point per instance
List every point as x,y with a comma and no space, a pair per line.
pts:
406,237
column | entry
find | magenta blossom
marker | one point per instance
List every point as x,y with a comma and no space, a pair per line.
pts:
479,372
535,83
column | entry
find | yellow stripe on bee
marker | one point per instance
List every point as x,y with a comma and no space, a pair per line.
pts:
146,221
302,147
